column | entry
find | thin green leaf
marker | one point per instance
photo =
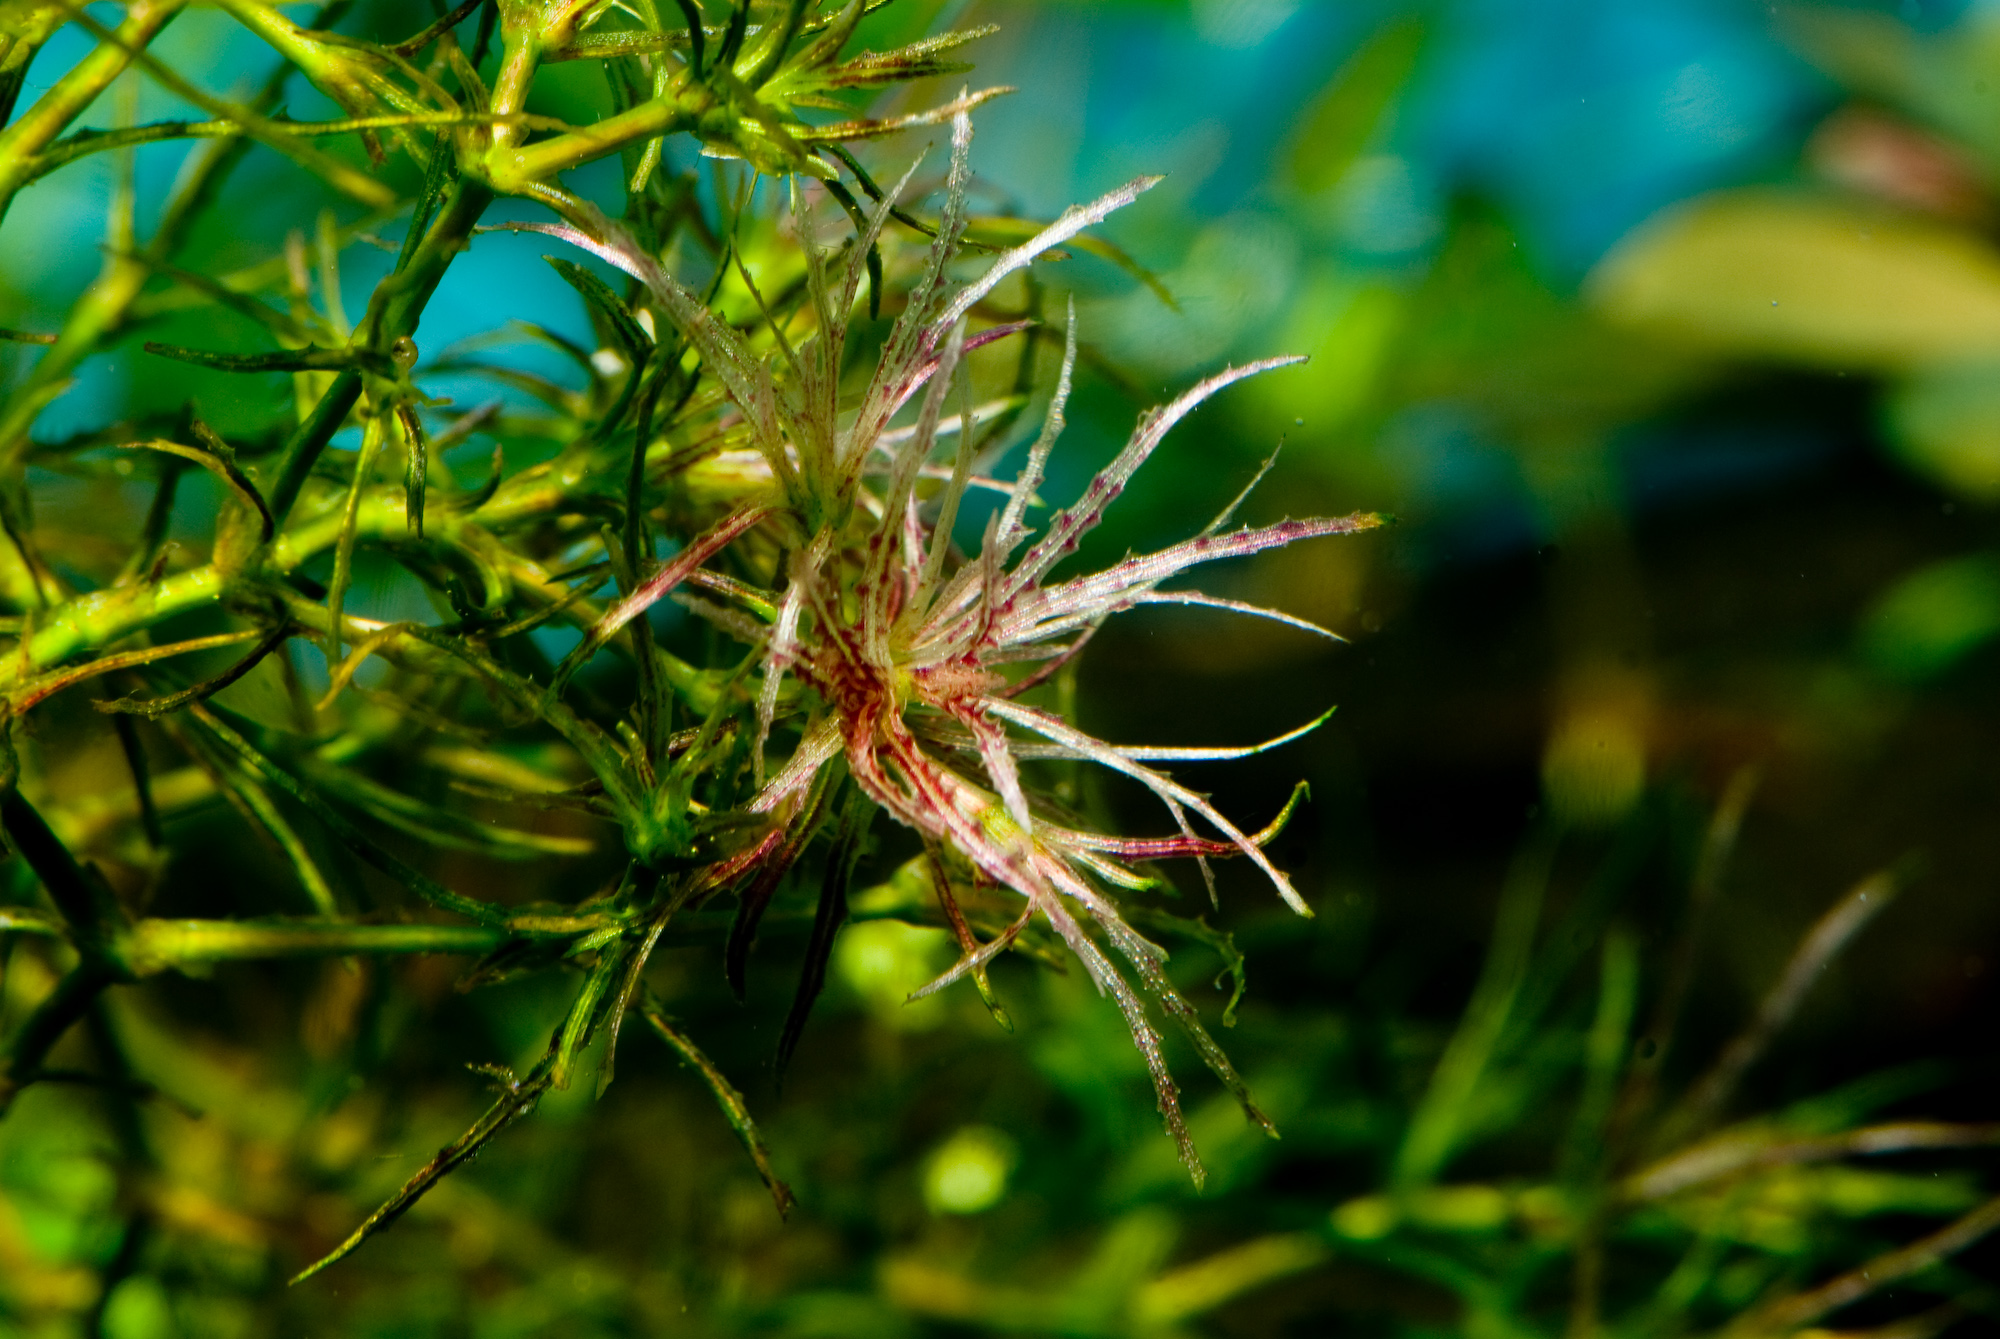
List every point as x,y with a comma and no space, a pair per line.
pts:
312,358
215,456
516,1100
24,696
827,919
425,887
416,466
632,338
734,1109
156,707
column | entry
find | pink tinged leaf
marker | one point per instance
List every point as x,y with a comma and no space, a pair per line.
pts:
1090,594
1076,521
941,804
1054,667
1144,1035
888,394
648,593
750,857
1164,848
1073,221
923,370
742,373
898,496
1011,529
1147,956
1168,752
993,745
1170,793
816,749
977,959
784,642
1078,844
913,339
841,131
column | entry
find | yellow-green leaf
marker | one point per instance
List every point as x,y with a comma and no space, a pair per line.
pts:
1808,280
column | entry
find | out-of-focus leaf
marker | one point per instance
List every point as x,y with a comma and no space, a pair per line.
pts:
1933,618
1940,78
1342,121
1349,330
1876,154
1486,331
1771,1211
1807,280
1945,423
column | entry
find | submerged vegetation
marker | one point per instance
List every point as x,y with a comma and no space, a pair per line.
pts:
795,519
381,709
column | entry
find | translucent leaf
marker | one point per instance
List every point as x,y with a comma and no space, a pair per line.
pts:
1945,424
1805,280
1934,618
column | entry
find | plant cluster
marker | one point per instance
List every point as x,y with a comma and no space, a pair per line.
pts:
778,437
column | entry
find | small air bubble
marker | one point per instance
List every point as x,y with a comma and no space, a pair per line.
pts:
1774,302
1298,423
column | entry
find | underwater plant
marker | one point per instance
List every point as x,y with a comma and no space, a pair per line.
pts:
744,457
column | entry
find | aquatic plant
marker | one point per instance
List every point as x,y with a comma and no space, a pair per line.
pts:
741,455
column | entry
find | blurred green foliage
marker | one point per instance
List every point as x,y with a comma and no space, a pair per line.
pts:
1689,625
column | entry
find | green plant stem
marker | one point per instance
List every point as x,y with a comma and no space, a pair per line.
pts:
393,312
84,143
153,946
76,90
64,1006
104,304
515,171
337,174
101,618
99,312
28,28
65,881
520,56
